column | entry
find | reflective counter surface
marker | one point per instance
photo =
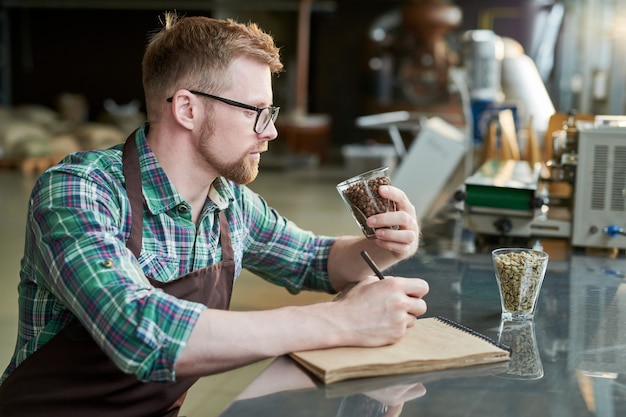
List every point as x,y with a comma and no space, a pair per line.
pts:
569,361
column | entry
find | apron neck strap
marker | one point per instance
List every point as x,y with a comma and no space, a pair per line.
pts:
132,175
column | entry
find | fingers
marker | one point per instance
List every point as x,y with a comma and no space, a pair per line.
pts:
399,197
415,289
401,219
403,241
417,307
384,309
396,395
407,295
418,287
412,287
396,231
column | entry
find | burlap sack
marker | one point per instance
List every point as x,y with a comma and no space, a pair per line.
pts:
98,135
19,138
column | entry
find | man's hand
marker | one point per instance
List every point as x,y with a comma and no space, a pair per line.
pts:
378,312
405,239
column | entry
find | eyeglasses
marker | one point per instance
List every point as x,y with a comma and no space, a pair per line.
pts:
263,114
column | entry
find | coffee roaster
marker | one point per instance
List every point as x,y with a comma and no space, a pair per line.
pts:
506,198
513,198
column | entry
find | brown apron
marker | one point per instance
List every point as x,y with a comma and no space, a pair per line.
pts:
71,376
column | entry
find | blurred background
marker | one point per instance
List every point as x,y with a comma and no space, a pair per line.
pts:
451,95
344,59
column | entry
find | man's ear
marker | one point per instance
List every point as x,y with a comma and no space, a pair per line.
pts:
184,109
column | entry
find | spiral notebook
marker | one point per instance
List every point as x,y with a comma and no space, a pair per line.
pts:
432,344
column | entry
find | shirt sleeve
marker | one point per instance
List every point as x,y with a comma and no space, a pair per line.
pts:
280,252
79,222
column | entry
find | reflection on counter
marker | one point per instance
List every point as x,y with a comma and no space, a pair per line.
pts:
598,349
569,361
519,335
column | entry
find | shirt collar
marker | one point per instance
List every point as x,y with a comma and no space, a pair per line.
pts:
159,192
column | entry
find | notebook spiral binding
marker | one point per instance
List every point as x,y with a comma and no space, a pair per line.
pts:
473,332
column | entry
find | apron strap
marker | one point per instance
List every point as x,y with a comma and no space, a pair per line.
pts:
71,374
227,246
132,174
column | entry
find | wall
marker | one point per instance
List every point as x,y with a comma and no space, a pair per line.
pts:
98,53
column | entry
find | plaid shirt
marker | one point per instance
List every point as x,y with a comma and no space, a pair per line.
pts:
76,263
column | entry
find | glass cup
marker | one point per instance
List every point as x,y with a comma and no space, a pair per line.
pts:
525,359
520,274
360,194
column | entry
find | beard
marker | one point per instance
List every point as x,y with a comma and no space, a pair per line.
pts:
242,171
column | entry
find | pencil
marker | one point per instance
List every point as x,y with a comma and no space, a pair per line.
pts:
372,265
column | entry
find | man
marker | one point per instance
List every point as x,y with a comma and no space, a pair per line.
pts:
131,252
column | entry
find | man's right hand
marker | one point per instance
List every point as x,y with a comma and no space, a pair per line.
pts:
373,313
378,312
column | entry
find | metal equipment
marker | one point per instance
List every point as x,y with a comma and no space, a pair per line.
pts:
511,198
600,188
505,198
427,169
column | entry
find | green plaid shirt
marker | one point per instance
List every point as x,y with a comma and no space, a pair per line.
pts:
76,263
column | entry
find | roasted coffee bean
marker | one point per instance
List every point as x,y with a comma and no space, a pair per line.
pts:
366,198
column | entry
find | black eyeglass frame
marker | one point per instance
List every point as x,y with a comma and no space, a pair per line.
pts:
272,109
